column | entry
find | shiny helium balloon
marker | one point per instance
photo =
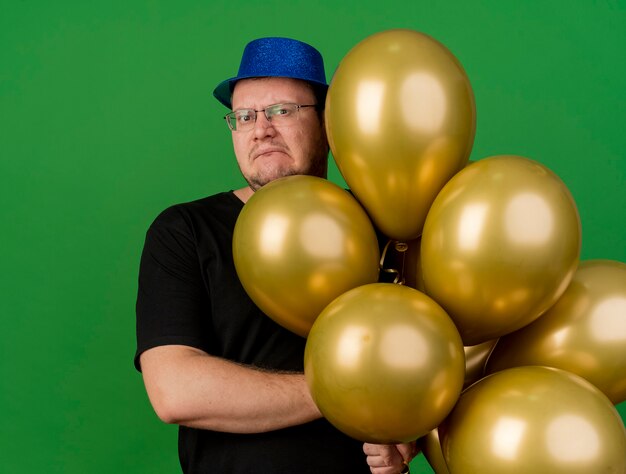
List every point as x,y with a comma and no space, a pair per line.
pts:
431,447
534,420
400,120
475,360
300,242
500,245
583,333
384,363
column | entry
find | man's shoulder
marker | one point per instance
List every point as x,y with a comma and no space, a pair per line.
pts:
209,208
223,200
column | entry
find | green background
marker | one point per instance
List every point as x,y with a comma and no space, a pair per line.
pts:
106,118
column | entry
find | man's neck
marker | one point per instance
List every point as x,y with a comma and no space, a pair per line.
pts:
244,193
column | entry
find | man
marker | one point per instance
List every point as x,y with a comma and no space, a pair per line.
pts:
211,361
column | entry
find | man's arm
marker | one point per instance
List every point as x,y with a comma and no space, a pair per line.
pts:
187,386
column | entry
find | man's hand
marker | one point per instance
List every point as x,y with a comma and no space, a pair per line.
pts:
389,458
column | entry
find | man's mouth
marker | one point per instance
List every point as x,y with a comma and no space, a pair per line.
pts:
266,151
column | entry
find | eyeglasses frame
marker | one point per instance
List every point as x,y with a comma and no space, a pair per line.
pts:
264,110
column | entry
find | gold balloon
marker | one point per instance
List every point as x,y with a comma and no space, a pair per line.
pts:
500,245
384,363
300,242
475,360
583,333
534,420
400,120
431,447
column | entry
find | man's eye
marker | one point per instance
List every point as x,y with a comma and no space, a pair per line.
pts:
281,111
244,118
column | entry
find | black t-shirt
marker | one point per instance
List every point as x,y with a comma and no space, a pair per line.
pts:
189,294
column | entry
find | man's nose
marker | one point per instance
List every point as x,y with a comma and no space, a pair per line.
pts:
263,127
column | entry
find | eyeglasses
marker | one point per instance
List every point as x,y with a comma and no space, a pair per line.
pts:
243,120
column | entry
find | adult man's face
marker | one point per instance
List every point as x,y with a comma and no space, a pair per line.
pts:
270,151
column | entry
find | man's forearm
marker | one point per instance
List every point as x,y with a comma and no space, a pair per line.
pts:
188,387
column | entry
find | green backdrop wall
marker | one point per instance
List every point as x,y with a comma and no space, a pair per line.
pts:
106,117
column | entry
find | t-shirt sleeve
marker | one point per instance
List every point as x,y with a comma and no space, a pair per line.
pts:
172,299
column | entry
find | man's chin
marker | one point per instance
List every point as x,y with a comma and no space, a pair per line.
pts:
260,181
